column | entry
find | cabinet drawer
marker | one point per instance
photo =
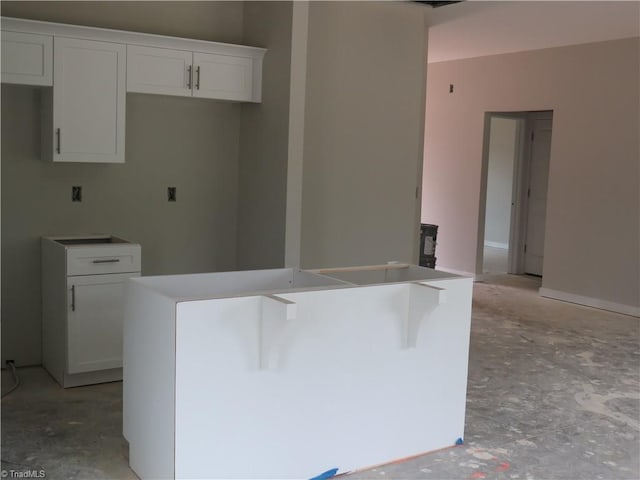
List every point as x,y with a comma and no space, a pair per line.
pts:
102,260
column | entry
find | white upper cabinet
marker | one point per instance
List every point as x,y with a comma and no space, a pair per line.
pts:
222,76
92,69
27,58
159,70
185,73
88,101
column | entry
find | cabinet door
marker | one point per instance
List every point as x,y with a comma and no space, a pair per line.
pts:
88,101
159,70
27,59
222,76
94,322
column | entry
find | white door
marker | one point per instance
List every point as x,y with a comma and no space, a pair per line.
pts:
88,101
94,322
537,195
159,70
222,76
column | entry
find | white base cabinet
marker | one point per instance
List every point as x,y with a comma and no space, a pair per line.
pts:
94,334
285,374
82,293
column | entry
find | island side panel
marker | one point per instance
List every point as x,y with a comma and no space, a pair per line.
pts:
149,380
445,333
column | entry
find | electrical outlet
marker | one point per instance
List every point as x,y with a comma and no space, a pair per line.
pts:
9,362
76,194
171,194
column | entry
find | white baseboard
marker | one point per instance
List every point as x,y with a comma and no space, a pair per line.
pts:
590,302
502,246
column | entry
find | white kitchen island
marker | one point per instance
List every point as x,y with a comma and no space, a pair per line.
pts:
278,374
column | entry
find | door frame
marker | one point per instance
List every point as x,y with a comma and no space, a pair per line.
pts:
523,226
519,197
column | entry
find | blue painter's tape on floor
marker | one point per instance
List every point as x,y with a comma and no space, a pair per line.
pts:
325,475
459,441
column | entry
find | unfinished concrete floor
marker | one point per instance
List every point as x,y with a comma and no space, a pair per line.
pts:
553,393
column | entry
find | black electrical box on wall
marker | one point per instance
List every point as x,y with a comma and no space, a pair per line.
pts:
428,236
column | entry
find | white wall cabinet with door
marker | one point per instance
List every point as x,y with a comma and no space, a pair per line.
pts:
185,73
82,293
88,101
27,58
84,112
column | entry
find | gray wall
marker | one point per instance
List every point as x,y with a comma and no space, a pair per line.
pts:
187,143
502,150
592,244
215,21
363,132
264,146
363,139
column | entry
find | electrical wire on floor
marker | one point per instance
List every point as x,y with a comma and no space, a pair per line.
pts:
16,379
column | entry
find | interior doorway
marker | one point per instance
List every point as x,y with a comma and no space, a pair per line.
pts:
516,157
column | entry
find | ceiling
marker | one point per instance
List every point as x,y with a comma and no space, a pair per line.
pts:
476,28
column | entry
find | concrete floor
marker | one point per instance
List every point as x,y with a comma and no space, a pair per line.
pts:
495,260
554,393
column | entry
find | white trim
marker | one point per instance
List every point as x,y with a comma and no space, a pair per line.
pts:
295,163
500,245
129,38
590,302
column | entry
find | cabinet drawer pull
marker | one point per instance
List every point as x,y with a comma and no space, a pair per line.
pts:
189,77
110,260
58,140
198,77
73,298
